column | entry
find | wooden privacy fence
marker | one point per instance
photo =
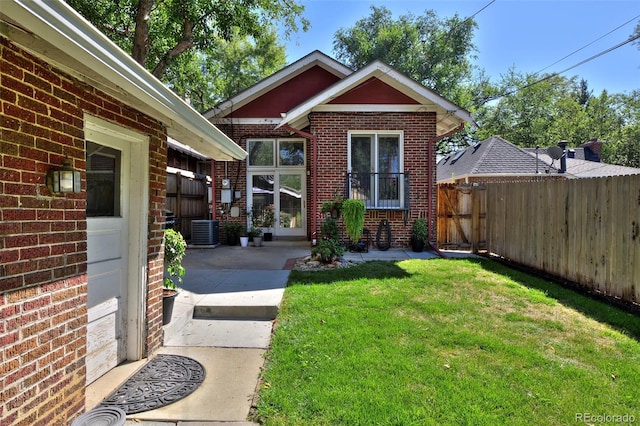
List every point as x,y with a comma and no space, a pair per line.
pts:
187,198
461,216
583,230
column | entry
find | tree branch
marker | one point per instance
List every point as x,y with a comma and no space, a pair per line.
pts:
141,35
182,46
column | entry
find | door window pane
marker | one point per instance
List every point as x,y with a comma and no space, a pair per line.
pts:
103,181
290,201
291,153
261,153
388,168
261,196
361,166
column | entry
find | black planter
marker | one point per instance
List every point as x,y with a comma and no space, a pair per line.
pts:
267,236
417,245
168,299
233,239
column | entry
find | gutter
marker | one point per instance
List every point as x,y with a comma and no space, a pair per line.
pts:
314,171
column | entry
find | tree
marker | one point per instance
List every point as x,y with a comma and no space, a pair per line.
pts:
177,39
435,52
235,65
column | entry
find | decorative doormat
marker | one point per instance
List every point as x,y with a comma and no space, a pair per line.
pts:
162,381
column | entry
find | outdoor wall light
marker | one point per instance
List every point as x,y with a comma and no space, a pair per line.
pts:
64,180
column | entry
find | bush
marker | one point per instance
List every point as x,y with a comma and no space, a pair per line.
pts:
328,250
174,251
329,229
420,231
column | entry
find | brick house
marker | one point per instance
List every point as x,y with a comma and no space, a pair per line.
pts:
80,272
317,129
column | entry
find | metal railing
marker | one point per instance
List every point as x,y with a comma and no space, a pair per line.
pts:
387,191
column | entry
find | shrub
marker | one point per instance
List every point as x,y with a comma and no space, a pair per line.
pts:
420,231
328,250
174,251
329,229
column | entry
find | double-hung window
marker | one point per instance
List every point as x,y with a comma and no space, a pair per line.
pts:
376,168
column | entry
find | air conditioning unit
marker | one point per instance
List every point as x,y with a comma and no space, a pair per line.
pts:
205,232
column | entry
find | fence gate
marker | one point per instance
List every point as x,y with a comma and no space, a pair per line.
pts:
462,216
188,199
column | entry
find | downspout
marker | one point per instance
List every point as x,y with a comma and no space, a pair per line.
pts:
314,171
430,143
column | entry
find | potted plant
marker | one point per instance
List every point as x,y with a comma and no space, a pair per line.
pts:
174,251
419,235
353,216
255,235
333,207
232,230
244,238
268,220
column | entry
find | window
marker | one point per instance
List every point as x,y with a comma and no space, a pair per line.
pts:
103,181
291,153
376,168
261,153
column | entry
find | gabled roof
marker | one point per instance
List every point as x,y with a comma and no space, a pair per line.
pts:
493,156
56,33
450,115
314,59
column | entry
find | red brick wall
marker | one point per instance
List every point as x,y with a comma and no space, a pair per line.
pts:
331,131
43,251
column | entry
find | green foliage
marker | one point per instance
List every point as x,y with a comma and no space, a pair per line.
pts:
334,204
435,52
328,250
420,230
199,46
329,229
174,251
353,215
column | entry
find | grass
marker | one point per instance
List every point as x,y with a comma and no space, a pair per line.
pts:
446,342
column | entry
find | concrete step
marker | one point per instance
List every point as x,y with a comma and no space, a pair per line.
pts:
222,334
244,312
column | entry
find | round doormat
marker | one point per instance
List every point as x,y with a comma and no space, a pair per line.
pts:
162,381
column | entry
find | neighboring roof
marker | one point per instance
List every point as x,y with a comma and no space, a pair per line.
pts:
577,168
314,59
493,156
55,32
450,115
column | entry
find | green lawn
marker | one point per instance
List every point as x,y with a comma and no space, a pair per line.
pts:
446,342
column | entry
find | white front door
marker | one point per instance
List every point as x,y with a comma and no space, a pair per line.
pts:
285,191
115,232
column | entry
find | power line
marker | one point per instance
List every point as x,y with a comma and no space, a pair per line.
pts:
587,45
474,15
555,74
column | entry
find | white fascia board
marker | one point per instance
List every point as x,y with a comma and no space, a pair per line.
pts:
274,80
388,75
59,28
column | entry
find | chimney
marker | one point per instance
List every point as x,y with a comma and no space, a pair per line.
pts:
563,159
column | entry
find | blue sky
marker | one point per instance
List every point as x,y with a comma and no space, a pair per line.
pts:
528,35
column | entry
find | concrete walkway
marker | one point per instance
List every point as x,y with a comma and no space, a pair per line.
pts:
223,319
